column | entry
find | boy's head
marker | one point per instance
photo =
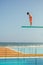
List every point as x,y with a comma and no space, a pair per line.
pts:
27,13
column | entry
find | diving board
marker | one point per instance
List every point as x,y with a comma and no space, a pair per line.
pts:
32,26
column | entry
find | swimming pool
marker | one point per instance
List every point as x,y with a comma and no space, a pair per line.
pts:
22,61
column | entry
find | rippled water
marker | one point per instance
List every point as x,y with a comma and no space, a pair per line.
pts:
22,61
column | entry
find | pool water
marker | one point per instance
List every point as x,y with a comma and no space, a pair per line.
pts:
22,61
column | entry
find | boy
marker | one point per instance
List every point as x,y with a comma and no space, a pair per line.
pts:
30,18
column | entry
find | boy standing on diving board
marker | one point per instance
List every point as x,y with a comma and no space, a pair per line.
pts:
30,18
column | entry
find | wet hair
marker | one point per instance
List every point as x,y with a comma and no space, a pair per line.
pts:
27,13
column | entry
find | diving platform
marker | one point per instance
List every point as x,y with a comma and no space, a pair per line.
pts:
32,26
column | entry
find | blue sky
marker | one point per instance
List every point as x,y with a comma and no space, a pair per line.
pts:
13,16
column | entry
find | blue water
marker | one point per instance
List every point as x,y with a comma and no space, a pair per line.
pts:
22,61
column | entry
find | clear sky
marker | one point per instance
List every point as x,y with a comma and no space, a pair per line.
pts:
13,16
